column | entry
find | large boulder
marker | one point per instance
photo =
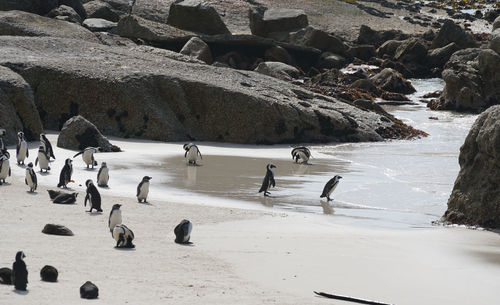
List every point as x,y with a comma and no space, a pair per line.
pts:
65,13
89,291
496,24
318,39
17,107
278,53
6,276
100,9
370,36
278,70
439,56
198,49
49,274
78,133
475,199
412,50
392,81
77,5
271,22
40,7
329,60
53,229
495,41
99,25
452,32
196,16
388,48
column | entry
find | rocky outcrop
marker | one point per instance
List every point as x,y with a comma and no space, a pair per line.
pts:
439,57
18,110
278,53
495,41
49,274
392,81
89,291
388,48
100,9
329,60
496,24
99,25
53,229
65,13
452,32
78,133
276,22
198,49
40,7
475,199
311,37
77,5
196,16
278,70
376,38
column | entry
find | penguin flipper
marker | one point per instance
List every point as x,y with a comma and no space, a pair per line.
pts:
86,198
9,171
17,148
273,183
79,153
185,154
36,161
27,152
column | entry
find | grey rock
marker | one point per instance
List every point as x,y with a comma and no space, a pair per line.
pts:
66,13
318,39
412,50
363,52
452,32
198,49
439,56
392,81
53,229
370,36
278,53
49,274
495,41
110,39
40,7
100,9
389,48
76,5
329,60
278,70
496,24
6,276
99,25
196,16
265,22
475,199
89,291
78,133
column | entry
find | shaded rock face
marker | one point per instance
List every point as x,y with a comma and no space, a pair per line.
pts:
78,133
452,32
278,70
438,57
53,229
100,9
76,5
89,291
271,22
40,7
198,49
196,16
6,276
495,41
17,107
496,24
65,13
49,274
475,199
390,80
318,39
376,38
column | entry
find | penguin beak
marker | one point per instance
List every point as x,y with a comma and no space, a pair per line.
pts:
340,177
23,256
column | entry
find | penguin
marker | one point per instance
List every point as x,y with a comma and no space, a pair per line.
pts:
131,4
115,217
88,156
46,146
143,189
303,153
66,172
268,180
191,153
22,151
43,159
183,232
330,187
19,272
65,198
53,194
93,196
103,175
4,167
3,132
123,236
30,178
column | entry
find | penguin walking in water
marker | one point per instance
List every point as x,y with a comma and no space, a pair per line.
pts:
88,156
123,236
330,187
30,178
115,217
191,153
66,172
103,175
93,196
22,151
268,181
301,153
43,159
47,146
4,166
143,189
19,272
183,232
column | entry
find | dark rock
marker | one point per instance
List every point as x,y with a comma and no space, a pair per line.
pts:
376,38
198,49
276,20
329,60
49,274
318,39
89,291
99,25
393,96
278,70
196,16
53,229
100,9
429,35
475,198
401,68
370,105
392,81
389,48
452,32
6,276
434,94
495,41
65,13
411,50
278,53
78,133
40,7
76,5
439,56
491,15
364,52
367,85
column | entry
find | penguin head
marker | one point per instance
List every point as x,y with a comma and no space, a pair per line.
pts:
116,206
89,181
68,161
187,146
103,164
20,135
146,178
270,166
337,177
30,165
19,256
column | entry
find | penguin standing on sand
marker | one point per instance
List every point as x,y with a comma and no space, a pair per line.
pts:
123,236
103,175
88,156
330,187
43,159
30,178
93,196
191,153
22,151
66,172
4,166
183,232
301,153
19,272
268,181
143,189
115,217
47,146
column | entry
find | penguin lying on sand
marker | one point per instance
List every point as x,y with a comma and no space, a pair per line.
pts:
183,232
123,236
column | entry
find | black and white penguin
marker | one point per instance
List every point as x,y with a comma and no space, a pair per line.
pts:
131,4
30,178
191,153
19,272
143,189
4,166
47,146
88,156
65,198
22,151
103,175
115,217
3,132
93,196
53,194
330,187
301,153
183,232
66,172
268,181
123,236
43,159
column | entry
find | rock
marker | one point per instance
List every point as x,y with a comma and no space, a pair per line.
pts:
495,41
278,53
429,35
49,274
6,276
266,22
78,133
411,50
53,229
329,60
278,70
363,52
390,80
17,23
367,85
439,56
318,39
198,49
451,32
100,9
40,7
401,68
491,15
99,25
475,198
89,291
18,110
76,5
66,13
376,38
196,16
109,39
389,48
496,24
